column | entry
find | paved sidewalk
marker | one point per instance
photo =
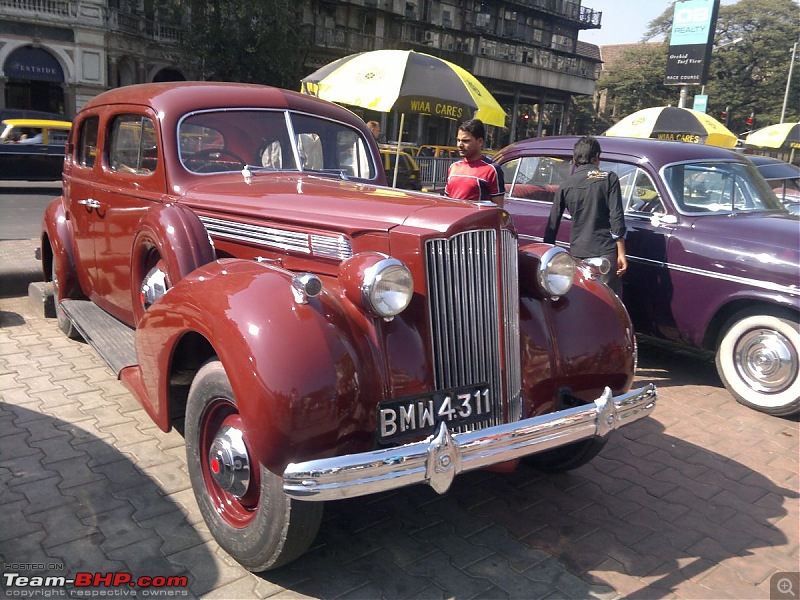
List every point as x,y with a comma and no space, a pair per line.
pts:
699,501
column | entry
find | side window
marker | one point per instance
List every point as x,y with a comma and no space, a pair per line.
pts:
643,197
328,146
87,142
537,177
132,145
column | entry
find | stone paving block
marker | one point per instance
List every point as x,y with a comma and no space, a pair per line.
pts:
496,570
245,587
453,582
146,497
93,499
170,477
460,551
85,555
57,449
24,469
175,532
207,569
16,528
62,525
74,472
41,495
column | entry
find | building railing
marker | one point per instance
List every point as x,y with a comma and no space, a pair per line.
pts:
40,8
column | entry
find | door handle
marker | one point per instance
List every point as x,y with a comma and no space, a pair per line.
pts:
90,202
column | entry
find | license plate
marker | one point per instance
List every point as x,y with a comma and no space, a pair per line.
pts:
421,415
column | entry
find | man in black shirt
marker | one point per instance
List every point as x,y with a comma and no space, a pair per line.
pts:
594,201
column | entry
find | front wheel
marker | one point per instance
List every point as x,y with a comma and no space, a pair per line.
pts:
758,361
242,502
566,458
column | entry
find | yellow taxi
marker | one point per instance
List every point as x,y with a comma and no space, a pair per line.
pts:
32,149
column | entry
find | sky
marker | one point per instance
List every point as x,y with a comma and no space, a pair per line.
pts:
624,21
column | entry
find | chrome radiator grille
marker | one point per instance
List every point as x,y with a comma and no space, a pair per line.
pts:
467,286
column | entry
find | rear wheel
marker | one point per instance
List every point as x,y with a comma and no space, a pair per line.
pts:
758,360
64,323
242,502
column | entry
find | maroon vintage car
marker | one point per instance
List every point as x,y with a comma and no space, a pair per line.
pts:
713,256
234,254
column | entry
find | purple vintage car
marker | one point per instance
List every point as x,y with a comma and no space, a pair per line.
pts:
714,258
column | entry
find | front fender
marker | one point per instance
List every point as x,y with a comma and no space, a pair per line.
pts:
301,373
583,341
58,237
175,234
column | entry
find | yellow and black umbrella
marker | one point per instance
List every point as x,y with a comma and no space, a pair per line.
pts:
780,136
405,81
676,124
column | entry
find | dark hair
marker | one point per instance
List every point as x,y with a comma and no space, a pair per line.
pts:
585,151
474,127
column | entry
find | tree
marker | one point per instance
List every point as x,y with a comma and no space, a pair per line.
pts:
241,40
748,69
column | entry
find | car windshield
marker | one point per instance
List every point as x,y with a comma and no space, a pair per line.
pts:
713,187
268,140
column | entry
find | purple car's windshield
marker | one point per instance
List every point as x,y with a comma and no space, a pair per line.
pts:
714,187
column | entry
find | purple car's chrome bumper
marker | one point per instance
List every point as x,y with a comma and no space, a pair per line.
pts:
437,460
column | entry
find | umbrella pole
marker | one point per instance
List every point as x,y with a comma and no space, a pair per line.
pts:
397,154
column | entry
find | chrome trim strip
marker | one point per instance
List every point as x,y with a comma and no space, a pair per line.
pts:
764,285
258,234
439,458
328,246
325,246
511,331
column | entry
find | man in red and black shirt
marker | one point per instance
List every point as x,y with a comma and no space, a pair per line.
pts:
476,177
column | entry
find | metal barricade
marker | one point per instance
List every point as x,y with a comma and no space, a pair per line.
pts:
433,171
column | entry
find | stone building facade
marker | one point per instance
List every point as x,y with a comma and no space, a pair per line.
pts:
56,54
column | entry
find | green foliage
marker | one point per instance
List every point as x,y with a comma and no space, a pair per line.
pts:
245,41
748,71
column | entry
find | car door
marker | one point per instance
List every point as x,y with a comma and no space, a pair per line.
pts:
647,285
131,182
81,204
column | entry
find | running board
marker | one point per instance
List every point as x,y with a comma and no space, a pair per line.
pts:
112,339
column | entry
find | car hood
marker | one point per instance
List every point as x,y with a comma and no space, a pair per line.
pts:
327,203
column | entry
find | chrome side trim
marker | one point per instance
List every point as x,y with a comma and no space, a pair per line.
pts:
438,459
756,283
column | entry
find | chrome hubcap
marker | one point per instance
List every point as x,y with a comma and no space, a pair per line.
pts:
766,361
228,461
153,287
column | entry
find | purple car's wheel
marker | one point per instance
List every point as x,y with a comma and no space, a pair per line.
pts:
758,360
242,502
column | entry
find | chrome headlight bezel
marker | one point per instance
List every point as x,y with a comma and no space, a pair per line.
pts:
387,288
556,272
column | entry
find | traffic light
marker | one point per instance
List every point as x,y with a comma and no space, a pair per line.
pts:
751,119
526,117
725,116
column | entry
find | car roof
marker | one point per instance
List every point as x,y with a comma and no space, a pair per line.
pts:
772,168
37,123
657,152
185,96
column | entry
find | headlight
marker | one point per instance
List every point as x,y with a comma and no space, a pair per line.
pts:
387,288
556,272
379,284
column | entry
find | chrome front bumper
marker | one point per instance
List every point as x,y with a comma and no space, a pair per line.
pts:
437,460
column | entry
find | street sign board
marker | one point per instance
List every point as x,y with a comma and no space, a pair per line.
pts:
700,102
693,24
